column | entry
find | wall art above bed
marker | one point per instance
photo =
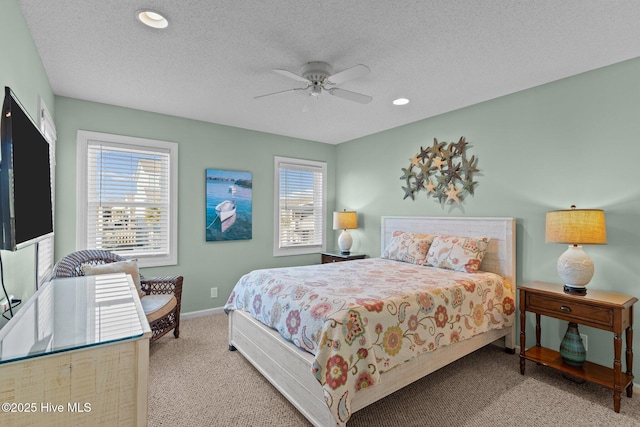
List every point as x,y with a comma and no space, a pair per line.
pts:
228,205
443,171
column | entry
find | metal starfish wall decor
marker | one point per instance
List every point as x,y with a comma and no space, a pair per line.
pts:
442,170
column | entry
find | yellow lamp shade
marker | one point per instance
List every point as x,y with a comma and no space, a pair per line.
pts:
346,220
576,227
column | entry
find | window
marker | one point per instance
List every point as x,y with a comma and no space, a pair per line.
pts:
300,199
127,197
44,247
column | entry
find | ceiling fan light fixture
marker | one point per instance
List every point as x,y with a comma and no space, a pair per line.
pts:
400,101
318,77
152,19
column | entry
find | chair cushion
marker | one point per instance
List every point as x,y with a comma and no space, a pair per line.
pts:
129,266
157,306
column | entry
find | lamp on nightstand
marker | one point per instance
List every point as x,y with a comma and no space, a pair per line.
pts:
576,227
346,220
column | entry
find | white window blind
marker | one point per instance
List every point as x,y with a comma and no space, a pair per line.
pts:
45,247
300,205
44,260
130,205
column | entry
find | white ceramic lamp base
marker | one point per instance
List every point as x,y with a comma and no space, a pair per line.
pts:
345,241
575,268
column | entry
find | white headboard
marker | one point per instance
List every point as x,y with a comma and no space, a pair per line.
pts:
500,257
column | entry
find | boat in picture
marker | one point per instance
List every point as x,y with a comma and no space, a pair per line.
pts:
228,205
226,210
225,225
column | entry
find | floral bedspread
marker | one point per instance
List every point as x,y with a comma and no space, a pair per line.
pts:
363,317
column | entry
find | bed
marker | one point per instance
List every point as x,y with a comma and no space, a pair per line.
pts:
330,371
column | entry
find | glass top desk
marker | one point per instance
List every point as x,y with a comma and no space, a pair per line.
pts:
74,313
79,346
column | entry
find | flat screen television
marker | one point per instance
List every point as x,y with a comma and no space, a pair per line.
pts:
26,214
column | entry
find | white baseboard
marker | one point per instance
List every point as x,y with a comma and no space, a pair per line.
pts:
201,313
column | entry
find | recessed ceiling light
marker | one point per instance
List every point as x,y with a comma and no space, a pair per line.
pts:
400,101
152,18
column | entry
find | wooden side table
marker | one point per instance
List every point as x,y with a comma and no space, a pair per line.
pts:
328,257
609,311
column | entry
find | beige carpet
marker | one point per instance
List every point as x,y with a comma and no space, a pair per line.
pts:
196,381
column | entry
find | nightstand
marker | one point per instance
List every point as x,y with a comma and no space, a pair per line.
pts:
328,257
609,311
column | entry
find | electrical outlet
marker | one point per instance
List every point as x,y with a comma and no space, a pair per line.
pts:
585,341
214,292
4,304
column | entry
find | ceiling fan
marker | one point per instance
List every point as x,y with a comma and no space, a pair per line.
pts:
318,77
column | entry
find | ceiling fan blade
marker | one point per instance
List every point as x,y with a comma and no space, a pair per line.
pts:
310,103
349,74
351,96
291,75
278,93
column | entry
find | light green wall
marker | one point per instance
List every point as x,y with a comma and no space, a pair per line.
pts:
21,69
574,141
200,146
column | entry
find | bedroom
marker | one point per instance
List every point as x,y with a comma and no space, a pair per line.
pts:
569,141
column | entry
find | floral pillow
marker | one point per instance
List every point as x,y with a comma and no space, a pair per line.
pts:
408,247
457,253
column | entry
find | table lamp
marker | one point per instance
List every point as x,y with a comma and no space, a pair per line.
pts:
346,220
576,227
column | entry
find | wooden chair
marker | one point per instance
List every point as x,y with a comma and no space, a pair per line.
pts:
163,314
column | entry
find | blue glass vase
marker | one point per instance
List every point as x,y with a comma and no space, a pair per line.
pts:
571,348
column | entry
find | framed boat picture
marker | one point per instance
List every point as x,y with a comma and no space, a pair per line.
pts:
228,205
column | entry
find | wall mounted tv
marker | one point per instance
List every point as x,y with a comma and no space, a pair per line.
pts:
26,214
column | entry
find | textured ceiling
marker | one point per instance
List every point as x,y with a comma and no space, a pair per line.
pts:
215,56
